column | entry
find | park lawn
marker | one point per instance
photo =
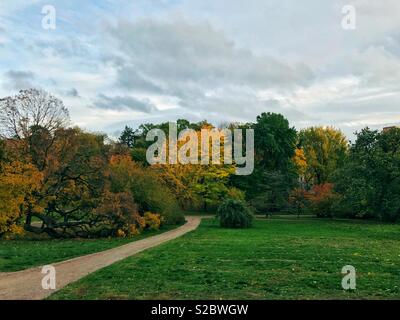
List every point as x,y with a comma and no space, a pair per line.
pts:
18,255
276,259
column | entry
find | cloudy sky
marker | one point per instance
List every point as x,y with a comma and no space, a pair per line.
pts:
117,62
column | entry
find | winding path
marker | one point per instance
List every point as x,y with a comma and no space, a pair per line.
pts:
27,284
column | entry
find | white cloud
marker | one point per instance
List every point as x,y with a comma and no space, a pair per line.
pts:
222,60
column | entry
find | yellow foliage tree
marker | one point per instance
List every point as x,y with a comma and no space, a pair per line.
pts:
18,181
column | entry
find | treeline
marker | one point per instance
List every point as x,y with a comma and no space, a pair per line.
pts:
313,171
61,181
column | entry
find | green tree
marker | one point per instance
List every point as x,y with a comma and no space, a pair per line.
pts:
212,183
275,173
275,141
369,182
127,137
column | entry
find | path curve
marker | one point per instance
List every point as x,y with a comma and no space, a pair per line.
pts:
27,284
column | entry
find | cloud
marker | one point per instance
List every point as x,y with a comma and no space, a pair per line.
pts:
176,56
72,93
221,60
199,66
377,66
10,6
123,103
18,80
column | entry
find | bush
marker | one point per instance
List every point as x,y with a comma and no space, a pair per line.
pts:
117,215
235,194
175,217
149,191
234,214
299,201
152,220
322,200
151,194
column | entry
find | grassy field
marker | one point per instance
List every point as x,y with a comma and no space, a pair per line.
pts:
277,259
18,255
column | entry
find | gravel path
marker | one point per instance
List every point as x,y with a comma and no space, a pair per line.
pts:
27,284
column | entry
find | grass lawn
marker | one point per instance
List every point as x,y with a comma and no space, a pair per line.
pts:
18,255
291,259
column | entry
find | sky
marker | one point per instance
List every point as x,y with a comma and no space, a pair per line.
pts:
118,62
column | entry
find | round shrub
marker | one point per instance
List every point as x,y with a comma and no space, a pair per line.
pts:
234,214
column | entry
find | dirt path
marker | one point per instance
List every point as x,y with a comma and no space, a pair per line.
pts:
27,284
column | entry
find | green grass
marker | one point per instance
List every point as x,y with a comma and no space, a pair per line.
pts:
291,259
18,255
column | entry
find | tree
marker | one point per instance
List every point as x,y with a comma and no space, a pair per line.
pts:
268,187
74,181
212,184
275,141
324,150
146,186
234,214
194,185
18,183
128,137
299,199
273,189
119,215
369,182
31,108
300,163
321,199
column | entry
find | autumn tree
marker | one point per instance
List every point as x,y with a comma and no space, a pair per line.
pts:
300,163
322,200
194,185
325,150
18,184
58,176
74,174
146,186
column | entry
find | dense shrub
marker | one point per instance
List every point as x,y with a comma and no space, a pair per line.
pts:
271,192
153,195
152,220
322,200
299,201
149,191
234,214
175,217
118,215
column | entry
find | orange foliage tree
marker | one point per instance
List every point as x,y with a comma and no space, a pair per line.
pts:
322,198
18,184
